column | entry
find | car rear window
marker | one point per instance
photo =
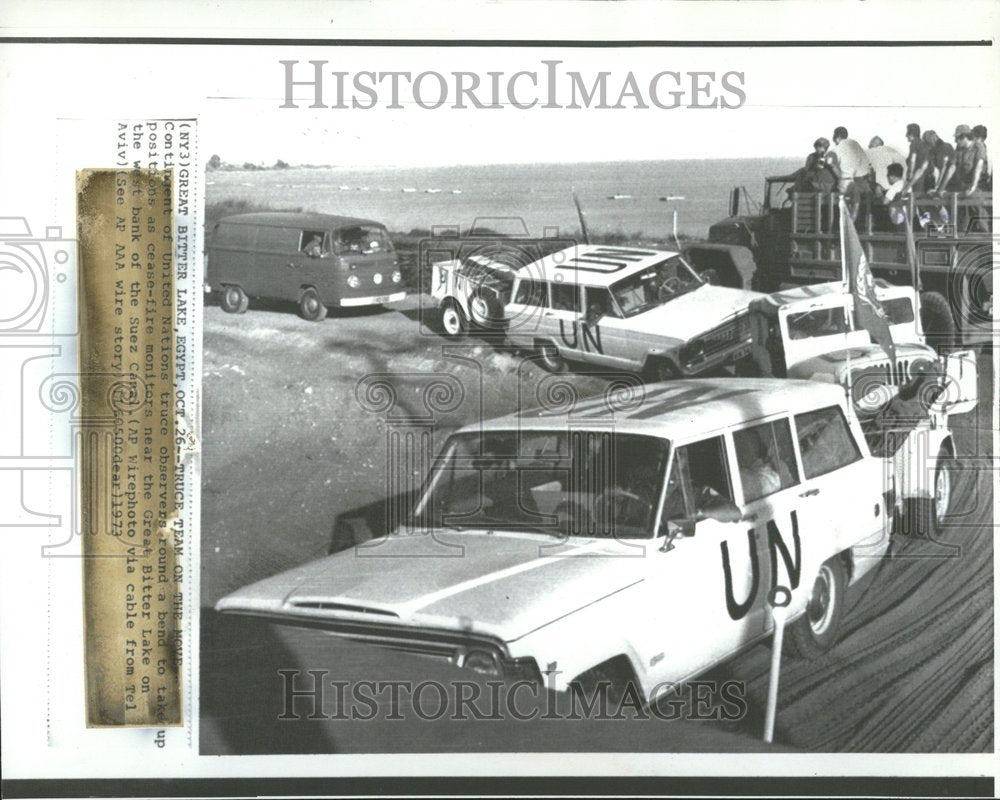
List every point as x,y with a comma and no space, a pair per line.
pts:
766,459
825,441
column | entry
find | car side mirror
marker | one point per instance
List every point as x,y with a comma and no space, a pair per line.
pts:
675,528
593,315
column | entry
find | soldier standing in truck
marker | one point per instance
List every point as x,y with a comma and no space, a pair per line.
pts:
849,163
916,163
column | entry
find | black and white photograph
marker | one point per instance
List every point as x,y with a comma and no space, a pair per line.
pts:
576,391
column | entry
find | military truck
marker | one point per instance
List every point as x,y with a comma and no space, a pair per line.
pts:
791,239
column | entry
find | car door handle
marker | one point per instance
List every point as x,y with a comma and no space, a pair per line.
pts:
810,493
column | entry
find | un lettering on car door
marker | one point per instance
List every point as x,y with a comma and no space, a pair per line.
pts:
769,550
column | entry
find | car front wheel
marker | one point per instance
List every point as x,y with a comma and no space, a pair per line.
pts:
816,631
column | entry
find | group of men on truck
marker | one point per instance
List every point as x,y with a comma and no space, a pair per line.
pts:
880,176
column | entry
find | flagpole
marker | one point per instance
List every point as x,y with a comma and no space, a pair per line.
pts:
844,216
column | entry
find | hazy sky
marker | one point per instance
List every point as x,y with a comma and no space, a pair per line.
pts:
793,96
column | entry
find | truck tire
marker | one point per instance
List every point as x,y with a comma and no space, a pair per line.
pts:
937,320
923,517
816,630
453,321
311,307
234,300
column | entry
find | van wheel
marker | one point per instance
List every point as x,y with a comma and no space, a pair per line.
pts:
452,319
234,300
311,307
815,632
548,355
923,517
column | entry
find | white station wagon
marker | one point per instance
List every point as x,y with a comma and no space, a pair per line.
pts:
627,308
630,544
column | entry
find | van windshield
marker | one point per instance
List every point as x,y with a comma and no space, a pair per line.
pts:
363,240
565,483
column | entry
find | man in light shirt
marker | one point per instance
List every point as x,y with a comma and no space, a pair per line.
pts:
880,157
849,163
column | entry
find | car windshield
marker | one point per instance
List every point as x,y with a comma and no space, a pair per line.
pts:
654,286
564,483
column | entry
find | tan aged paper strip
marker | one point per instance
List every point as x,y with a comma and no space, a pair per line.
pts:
132,580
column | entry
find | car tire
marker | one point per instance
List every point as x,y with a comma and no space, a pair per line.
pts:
924,517
453,321
616,674
549,357
234,300
937,321
659,369
815,632
485,311
311,307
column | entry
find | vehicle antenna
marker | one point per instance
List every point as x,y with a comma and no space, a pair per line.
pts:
583,221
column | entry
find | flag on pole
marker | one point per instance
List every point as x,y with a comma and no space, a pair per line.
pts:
857,272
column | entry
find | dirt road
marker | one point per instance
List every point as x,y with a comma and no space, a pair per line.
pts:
291,442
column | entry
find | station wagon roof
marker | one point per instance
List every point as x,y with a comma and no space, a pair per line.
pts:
593,264
679,408
296,219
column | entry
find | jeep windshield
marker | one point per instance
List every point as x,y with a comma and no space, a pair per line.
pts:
563,483
654,286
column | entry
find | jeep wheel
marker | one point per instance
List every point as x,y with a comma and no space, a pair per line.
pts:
548,355
452,319
234,300
815,632
923,517
311,307
936,320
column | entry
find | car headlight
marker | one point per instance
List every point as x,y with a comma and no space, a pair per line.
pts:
353,281
695,351
377,278
483,662
397,276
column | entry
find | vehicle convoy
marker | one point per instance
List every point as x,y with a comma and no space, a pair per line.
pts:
314,260
793,240
634,542
627,308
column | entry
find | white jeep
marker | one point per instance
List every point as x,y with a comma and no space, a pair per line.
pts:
811,332
629,540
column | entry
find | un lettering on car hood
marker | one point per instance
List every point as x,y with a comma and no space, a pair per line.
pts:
504,584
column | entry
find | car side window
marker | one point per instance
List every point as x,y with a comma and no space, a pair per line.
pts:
766,459
313,242
566,297
825,441
531,293
601,298
701,480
